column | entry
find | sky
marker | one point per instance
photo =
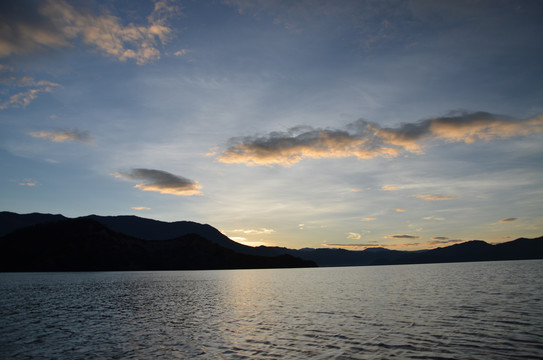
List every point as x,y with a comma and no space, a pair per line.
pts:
348,124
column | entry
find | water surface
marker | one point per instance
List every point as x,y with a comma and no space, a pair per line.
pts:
491,310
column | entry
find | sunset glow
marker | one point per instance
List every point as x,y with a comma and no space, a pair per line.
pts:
348,124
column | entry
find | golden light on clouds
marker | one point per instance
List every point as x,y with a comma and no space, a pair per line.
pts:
59,136
260,231
354,236
366,140
434,197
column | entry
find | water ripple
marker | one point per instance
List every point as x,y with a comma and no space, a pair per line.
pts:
441,311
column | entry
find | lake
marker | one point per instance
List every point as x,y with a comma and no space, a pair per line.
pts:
483,310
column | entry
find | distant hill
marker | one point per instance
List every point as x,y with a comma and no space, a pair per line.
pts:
159,231
83,244
476,250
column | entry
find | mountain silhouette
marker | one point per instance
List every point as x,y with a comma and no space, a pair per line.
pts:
148,231
84,244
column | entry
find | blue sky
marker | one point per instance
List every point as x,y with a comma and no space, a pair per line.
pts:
402,124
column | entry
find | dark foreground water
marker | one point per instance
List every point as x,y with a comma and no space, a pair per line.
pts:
490,310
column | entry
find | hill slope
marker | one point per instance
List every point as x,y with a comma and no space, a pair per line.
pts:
153,230
84,244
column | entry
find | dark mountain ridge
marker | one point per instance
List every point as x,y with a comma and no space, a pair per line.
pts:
159,231
84,244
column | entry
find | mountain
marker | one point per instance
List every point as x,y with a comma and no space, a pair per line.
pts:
10,221
153,230
475,250
84,244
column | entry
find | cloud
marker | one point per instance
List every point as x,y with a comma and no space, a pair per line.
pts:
63,136
402,237
244,241
368,219
161,181
261,231
350,246
182,52
437,241
366,140
389,187
25,97
354,236
508,220
28,182
440,241
400,210
433,197
440,238
140,208
56,23
433,218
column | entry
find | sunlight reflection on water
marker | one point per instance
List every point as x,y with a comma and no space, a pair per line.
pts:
439,311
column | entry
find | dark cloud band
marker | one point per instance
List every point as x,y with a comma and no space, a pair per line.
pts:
161,181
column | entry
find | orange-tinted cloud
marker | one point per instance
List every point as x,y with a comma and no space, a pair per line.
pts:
508,220
366,140
351,246
434,197
27,90
55,23
63,135
161,181
140,208
261,231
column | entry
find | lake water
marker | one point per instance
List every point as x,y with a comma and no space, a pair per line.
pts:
486,310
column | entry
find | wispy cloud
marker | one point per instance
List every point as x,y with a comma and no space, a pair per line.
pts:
182,52
63,136
161,181
508,220
434,197
244,241
403,236
354,236
433,218
23,97
261,231
436,241
368,219
351,246
366,140
27,182
389,187
400,210
56,23
140,208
